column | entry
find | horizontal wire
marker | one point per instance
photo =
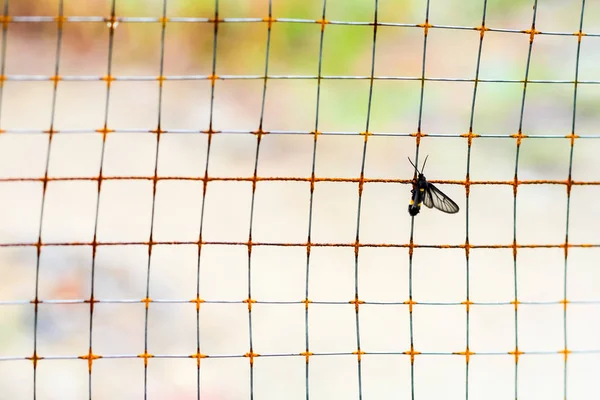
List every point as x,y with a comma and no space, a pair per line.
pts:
303,355
202,77
110,20
312,244
299,302
111,131
512,183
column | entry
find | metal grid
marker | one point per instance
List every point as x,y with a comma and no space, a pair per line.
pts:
113,20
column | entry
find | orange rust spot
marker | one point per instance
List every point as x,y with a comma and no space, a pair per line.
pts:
146,301
467,248
358,354
210,131
519,136
198,356
259,133
470,135
316,133
108,79
569,186
361,184
411,248
356,303
249,243
565,352
5,20
412,353
306,354
312,182
564,302
249,301
163,21
50,131
45,181
366,134
468,304
212,79
145,355
55,79
91,302
517,354
579,35
104,131
410,303
35,358
36,301
251,356
531,32
205,183
356,247
467,353
60,20
158,131
572,136
482,30
197,301
111,22
418,135
514,249
516,303
306,303
90,357
160,79
269,20
308,248
216,20
425,26
322,22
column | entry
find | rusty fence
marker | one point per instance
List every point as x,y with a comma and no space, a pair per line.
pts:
412,353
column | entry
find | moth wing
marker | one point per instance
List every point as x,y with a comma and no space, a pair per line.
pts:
435,198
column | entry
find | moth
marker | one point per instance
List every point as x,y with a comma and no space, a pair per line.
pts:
425,192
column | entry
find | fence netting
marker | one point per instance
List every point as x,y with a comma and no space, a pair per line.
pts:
209,199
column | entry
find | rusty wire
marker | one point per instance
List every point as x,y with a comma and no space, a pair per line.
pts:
111,21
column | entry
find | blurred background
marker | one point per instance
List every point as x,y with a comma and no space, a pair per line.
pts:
123,273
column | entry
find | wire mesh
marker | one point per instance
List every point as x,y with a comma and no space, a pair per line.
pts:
412,350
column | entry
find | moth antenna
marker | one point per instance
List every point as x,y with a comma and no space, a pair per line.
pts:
423,169
411,163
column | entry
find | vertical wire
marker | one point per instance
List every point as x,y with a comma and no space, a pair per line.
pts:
311,198
154,184
3,53
565,273
36,302
259,134
356,301
467,193
213,77
111,34
198,300
412,220
515,187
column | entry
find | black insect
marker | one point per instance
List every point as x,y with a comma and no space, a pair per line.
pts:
425,192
